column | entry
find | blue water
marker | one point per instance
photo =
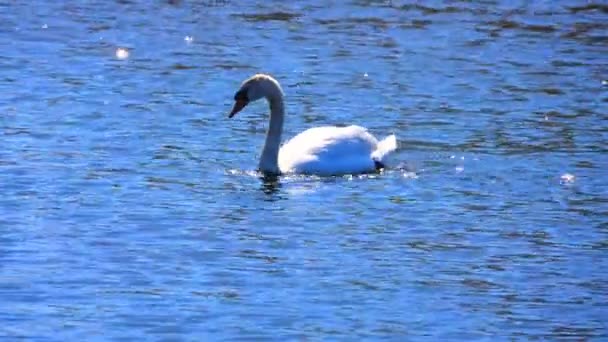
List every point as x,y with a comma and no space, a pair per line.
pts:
131,208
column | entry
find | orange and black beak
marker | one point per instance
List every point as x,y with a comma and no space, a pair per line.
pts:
239,104
240,101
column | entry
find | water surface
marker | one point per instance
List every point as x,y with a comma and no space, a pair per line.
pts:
131,209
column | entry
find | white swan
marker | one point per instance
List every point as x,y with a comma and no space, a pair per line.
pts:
327,150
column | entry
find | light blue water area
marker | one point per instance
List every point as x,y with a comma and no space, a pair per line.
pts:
131,208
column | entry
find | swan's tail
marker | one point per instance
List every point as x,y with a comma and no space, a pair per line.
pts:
384,147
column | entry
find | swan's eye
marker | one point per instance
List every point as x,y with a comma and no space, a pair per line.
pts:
241,95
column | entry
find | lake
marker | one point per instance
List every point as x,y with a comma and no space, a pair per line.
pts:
131,208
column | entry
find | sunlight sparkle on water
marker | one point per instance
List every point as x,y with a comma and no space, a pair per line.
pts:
567,178
408,174
122,53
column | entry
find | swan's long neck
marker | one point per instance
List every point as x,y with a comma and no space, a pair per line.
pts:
269,161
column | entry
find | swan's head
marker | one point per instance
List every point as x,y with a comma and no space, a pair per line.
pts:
254,88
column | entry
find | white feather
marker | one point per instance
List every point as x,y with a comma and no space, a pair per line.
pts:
330,150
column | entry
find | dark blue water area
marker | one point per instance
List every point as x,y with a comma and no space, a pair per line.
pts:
131,208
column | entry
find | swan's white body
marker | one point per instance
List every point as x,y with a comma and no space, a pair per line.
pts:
333,150
327,150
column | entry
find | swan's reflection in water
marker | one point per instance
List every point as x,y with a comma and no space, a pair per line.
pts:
270,184
279,187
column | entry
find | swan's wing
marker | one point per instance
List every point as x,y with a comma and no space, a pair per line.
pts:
333,141
329,149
